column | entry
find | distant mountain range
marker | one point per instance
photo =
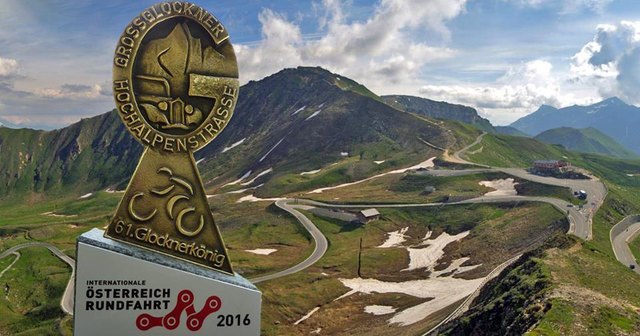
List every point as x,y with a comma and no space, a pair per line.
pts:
612,117
586,140
8,124
439,110
293,121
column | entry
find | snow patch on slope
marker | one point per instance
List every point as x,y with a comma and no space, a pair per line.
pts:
262,251
307,316
258,176
441,287
379,310
313,115
442,291
395,238
425,164
503,187
233,145
247,174
299,110
271,150
311,172
428,256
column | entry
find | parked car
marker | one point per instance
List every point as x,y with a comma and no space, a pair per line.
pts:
582,194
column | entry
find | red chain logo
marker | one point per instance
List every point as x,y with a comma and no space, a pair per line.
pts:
171,321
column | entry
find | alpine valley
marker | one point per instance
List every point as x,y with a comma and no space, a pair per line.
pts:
464,239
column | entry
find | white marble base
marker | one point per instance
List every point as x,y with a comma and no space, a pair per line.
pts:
125,290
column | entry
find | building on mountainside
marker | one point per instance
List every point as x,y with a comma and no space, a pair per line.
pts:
368,215
551,166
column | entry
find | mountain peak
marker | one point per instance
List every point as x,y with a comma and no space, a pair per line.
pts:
606,104
613,100
612,116
315,70
319,76
305,72
545,107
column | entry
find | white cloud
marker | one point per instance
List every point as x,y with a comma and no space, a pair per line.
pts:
8,67
521,90
386,53
278,49
608,65
49,107
611,61
536,72
74,91
378,50
567,6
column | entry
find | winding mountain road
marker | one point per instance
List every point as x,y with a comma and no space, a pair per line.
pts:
580,219
583,219
455,158
575,217
320,242
621,235
66,303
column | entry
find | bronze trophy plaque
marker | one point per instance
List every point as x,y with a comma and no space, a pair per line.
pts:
175,82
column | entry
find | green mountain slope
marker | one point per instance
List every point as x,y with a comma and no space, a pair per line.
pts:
293,121
586,140
307,119
508,130
91,154
573,287
439,110
499,150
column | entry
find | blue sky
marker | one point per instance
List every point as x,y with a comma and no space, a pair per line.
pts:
504,57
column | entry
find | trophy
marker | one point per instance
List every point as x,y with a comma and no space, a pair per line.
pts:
161,267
